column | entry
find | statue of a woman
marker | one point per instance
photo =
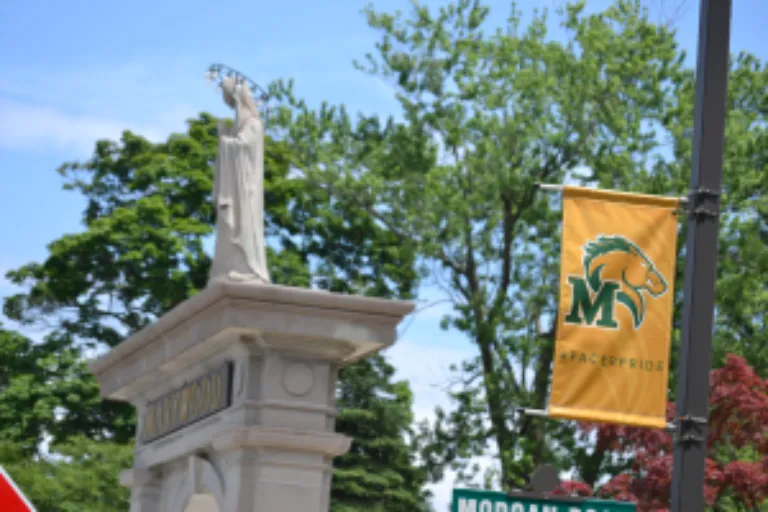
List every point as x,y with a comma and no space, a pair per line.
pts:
238,192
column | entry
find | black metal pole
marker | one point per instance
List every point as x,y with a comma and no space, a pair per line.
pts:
701,256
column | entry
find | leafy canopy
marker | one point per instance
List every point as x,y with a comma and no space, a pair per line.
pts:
736,467
141,252
489,113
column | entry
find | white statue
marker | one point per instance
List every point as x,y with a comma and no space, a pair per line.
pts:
238,191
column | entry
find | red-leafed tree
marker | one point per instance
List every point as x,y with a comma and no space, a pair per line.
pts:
737,449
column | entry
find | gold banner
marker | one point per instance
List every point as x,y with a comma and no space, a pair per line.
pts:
615,311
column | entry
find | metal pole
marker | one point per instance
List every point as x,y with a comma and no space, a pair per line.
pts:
701,256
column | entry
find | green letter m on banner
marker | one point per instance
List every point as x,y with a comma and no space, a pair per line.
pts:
584,309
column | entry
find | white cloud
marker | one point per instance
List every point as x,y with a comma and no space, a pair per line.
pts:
95,103
39,128
427,369
111,90
87,104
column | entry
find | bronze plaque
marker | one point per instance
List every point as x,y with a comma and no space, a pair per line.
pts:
191,402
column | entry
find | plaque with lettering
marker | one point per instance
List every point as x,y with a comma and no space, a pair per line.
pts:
204,396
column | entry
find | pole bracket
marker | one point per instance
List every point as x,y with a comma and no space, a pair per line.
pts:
691,430
695,199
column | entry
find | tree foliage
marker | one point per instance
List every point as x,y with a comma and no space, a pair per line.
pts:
737,446
141,252
47,393
79,475
389,480
488,113
445,197
499,112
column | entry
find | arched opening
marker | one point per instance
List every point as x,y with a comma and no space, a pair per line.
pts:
202,489
202,503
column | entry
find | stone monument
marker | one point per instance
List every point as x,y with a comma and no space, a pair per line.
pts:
235,387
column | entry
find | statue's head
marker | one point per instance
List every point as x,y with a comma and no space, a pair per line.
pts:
229,90
238,96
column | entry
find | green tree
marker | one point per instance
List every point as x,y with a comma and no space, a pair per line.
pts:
46,390
79,475
141,253
737,449
502,110
742,296
389,480
488,115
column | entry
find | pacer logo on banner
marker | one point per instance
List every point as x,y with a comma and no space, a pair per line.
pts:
615,311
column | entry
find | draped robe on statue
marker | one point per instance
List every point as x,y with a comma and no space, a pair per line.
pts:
238,195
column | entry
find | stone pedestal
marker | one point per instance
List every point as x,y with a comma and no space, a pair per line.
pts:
235,393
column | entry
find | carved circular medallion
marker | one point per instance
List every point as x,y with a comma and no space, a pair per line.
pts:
298,378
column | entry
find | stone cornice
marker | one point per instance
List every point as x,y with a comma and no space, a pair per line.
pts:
382,310
308,323
328,444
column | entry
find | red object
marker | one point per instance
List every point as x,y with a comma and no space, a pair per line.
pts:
11,498
738,420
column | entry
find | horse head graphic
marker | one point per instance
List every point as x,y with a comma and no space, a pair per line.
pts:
617,258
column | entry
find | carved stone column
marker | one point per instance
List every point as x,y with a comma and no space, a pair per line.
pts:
145,489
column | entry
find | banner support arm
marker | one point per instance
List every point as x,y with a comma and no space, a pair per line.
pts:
541,413
553,187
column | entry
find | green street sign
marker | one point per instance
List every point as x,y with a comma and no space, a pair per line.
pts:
471,500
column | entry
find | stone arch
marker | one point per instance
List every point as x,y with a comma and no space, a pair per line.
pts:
202,478
202,503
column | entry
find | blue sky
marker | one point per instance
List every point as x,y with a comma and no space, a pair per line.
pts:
80,70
